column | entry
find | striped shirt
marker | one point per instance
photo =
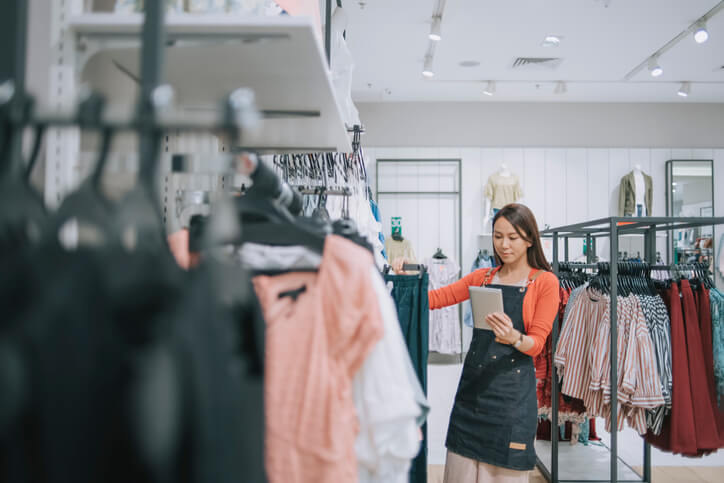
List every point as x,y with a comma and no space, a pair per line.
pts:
657,319
584,360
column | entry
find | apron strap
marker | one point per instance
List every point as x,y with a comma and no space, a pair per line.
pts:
532,278
490,275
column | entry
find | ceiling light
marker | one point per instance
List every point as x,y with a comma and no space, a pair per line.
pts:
701,35
561,88
435,32
551,41
489,89
469,63
685,89
427,69
654,67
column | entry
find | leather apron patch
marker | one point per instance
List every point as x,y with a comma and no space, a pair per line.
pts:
520,446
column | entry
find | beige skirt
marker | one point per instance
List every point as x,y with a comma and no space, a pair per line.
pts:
459,469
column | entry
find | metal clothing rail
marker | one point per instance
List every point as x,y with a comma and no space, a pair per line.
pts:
611,228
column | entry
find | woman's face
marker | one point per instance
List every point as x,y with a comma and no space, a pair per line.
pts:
509,245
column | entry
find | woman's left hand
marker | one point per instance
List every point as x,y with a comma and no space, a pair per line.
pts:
503,328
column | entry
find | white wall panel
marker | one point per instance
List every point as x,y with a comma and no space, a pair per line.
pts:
515,160
534,187
618,167
681,154
555,186
576,168
718,156
598,184
641,157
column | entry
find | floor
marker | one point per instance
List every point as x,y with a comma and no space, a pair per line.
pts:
661,474
436,472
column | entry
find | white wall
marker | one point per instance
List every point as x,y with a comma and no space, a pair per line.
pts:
562,186
585,125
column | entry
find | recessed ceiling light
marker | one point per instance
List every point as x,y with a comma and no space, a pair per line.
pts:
551,41
701,35
685,89
427,69
654,67
469,63
435,31
489,89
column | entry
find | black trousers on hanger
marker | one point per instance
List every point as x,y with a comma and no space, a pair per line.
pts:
413,311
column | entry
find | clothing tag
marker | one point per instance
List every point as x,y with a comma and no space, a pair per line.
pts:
520,446
294,294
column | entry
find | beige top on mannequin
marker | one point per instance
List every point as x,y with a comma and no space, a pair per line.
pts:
501,189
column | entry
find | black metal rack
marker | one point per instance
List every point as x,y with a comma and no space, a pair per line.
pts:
591,230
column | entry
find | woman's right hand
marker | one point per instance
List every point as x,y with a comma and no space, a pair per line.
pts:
397,265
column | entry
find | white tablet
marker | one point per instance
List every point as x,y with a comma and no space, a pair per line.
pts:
485,301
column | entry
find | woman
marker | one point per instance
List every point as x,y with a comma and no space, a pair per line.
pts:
493,422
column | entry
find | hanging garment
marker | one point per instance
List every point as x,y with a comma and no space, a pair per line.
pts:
717,322
397,250
720,257
569,409
627,195
320,329
480,262
658,323
135,383
389,403
445,330
707,437
502,190
705,325
677,434
583,359
410,295
376,214
495,413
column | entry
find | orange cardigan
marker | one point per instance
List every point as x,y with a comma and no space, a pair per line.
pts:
540,304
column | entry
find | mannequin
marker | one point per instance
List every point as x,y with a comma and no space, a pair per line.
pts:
505,174
635,193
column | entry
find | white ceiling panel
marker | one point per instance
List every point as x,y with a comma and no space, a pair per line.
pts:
602,41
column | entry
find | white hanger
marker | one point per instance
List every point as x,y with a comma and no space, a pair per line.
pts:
504,170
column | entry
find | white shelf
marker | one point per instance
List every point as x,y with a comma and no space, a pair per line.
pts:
280,58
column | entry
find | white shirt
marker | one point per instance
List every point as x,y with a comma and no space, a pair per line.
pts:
383,393
640,192
445,330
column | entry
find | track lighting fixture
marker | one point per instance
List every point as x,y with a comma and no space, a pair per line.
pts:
701,35
435,30
489,89
551,41
427,69
654,67
561,88
685,89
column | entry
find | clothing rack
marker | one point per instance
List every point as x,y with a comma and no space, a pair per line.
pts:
610,228
321,190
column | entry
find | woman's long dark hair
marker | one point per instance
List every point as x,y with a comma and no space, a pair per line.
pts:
525,224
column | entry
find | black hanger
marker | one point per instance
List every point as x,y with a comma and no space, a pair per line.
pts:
264,220
439,255
87,204
22,210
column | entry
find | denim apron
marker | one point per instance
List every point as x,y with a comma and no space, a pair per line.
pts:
495,415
